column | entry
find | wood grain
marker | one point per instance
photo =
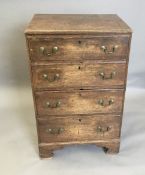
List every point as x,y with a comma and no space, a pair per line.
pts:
76,23
77,47
78,128
110,146
78,102
80,75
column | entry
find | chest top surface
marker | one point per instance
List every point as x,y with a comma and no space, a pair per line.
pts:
76,24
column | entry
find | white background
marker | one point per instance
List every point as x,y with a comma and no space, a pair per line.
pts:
18,138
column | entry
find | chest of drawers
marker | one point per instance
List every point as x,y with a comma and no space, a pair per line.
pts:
78,66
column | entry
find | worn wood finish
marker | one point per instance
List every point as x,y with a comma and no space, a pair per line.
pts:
78,98
79,75
78,48
80,102
78,128
76,23
110,146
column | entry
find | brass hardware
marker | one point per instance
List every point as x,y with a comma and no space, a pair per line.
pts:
55,130
41,49
45,76
105,77
54,49
51,78
105,102
44,51
53,104
57,76
106,51
102,129
48,104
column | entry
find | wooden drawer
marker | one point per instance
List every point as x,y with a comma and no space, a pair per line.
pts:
78,128
81,75
53,48
78,102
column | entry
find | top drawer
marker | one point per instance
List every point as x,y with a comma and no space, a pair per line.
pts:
57,48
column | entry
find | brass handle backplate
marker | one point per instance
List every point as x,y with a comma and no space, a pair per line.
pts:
107,51
51,78
55,130
105,102
45,52
103,129
104,76
53,104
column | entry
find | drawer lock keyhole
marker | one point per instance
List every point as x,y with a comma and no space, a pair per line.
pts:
80,119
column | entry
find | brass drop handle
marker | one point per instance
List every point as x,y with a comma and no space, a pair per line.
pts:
104,76
102,129
55,130
107,51
51,78
53,104
45,52
105,102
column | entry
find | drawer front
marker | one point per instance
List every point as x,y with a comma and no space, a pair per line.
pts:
79,102
81,75
77,128
69,48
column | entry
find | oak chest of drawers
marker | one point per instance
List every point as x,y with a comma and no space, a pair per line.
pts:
78,71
